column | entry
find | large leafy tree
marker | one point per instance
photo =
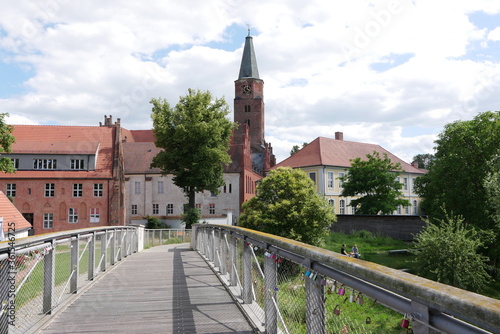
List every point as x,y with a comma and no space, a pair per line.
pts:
375,180
195,137
456,179
6,141
447,251
287,204
424,161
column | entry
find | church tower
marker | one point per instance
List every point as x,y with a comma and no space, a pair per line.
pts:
249,108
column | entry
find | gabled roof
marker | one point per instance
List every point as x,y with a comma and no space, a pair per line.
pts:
10,214
58,139
338,153
248,68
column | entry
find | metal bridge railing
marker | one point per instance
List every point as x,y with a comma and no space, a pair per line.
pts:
39,273
157,237
286,286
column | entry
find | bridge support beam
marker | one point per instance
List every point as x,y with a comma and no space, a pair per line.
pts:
315,306
75,264
49,265
271,293
247,273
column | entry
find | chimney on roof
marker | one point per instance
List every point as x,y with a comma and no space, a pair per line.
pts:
108,121
415,164
339,135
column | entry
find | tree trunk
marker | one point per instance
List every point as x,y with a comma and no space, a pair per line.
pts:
192,201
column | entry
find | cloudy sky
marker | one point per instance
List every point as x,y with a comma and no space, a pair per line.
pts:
389,72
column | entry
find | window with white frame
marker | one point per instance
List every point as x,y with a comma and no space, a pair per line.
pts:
77,190
415,207
15,162
48,220
170,209
330,179
11,189
50,189
160,187
405,183
72,215
399,209
211,209
342,207
341,174
134,209
137,188
331,201
95,215
44,163
312,175
98,189
407,210
77,164
156,209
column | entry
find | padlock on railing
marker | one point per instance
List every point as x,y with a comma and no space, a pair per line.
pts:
352,297
361,301
405,323
341,291
336,310
368,320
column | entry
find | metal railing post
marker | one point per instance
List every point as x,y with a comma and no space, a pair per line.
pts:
223,253
161,237
119,245
75,264
211,244
247,274
4,294
112,248
90,275
315,307
271,284
216,248
232,252
104,248
125,242
49,265
421,313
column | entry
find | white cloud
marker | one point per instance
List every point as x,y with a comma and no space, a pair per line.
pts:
494,35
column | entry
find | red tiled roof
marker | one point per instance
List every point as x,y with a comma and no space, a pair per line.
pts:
138,136
138,157
52,139
332,152
10,214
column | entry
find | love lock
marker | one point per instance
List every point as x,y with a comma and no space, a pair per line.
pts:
368,320
361,301
336,310
405,323
341,291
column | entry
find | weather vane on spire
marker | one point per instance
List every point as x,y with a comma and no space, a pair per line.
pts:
248,29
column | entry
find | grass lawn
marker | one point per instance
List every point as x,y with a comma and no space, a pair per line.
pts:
375,248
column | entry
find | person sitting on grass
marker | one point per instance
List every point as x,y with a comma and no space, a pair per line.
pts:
355,252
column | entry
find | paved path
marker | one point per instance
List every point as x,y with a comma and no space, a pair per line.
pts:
165,289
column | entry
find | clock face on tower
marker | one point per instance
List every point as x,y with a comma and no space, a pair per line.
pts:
247,89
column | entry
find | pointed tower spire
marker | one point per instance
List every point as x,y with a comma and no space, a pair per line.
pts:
248,67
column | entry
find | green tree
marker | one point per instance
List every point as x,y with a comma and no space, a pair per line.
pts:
297,148
375,180
424,161
492,187
447,252
456,178
6,141
195,137
287,204
154,223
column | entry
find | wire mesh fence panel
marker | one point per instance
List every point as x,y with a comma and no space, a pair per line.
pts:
29,278
62,272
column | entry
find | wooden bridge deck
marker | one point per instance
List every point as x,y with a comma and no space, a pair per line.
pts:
165,289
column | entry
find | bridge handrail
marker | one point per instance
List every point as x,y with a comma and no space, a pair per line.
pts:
429,302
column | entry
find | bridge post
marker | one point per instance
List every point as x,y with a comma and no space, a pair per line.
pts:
104,250
119,241
90,275
217,248
247,273
232,253
112,248
49,265
271,285
223,254
315,307
124,243
210,245
421,314
75,264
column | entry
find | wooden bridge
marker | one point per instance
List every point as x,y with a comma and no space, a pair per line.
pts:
164,289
